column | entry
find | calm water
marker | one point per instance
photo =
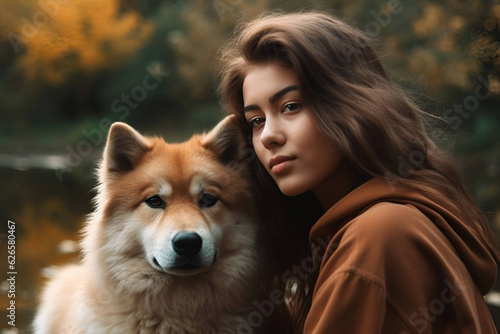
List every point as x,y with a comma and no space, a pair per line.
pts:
47,212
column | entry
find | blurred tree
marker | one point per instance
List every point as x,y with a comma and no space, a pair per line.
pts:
55,59
77,36
208,24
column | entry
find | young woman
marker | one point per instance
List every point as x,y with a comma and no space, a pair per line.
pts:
368,223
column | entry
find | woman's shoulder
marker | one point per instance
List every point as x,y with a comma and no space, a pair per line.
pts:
383,239
387,220
386,229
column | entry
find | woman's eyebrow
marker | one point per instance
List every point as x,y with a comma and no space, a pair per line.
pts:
276,96
282,92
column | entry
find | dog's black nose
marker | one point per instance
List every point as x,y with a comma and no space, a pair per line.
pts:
187,243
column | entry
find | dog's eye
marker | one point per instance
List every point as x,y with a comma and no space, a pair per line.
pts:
156,202
207,200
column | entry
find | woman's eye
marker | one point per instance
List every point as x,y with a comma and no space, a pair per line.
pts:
254,122
290,107
207,201
155,202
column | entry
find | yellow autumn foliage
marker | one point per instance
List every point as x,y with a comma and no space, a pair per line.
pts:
63,37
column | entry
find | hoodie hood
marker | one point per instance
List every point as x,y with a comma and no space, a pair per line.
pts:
468,241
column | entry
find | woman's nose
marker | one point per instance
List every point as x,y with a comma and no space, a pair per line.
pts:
272,135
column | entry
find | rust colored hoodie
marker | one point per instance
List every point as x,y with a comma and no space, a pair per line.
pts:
398,262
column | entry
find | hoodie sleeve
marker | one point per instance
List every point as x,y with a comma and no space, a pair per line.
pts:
346,302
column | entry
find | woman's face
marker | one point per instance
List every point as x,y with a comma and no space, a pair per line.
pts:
285,136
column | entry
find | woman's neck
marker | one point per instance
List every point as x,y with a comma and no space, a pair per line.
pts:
333,189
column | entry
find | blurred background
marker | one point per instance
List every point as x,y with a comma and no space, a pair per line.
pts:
69,68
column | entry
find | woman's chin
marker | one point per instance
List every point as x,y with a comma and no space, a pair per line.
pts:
292,190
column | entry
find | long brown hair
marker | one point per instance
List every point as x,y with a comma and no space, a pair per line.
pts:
355,104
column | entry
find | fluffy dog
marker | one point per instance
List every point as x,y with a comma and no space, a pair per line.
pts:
171,246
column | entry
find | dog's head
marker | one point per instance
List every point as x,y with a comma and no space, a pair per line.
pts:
169,210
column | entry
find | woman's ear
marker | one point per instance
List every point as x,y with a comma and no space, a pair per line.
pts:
124,148
225,140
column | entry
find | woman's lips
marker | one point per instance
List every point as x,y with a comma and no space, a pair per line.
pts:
280,163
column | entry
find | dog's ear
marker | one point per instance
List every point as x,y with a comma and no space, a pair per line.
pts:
124,148
226,140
